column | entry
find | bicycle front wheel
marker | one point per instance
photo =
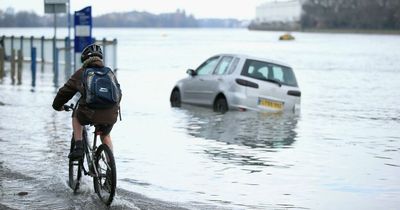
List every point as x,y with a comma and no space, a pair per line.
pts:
106,181
75,170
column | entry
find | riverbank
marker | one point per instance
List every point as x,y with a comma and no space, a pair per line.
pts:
351,31
335,31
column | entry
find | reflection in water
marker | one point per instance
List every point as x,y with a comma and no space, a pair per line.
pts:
251,129
246,137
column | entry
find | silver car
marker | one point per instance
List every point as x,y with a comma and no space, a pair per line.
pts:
239,82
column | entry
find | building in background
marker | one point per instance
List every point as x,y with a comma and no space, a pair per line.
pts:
278,15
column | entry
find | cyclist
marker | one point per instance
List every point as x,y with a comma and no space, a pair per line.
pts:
102,119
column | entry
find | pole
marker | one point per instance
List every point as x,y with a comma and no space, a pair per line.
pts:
104,51
2,62
19,72
67,57
55,24
115,53
55,79
69,21
42,48
55,39
33,66
68,51
54,54
31,42
13,66
12,42
22,43
3,45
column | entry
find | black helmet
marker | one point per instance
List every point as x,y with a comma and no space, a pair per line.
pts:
90,51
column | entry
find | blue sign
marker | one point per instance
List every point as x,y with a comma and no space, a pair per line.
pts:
83,28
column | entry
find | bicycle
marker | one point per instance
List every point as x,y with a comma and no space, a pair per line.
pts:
100,165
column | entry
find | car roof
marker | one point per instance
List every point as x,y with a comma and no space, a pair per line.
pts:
244,56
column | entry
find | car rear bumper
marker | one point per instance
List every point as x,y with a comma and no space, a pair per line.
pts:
240,101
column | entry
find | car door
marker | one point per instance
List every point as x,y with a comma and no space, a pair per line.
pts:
212,84
197,88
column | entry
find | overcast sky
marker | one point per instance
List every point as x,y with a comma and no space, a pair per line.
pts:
240,9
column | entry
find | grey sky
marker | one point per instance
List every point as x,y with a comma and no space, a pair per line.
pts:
240,9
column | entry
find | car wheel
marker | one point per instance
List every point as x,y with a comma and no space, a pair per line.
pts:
175,98
221,105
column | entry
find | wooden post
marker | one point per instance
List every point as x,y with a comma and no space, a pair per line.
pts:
3,45
1,63
20,61
13,66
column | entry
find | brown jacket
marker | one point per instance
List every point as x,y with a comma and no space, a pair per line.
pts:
84,114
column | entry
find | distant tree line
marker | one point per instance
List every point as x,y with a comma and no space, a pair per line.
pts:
351,14
20,19
145,19
179,18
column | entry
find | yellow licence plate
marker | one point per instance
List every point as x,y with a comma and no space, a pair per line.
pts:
270,103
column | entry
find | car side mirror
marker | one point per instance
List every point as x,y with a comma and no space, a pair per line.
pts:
191,72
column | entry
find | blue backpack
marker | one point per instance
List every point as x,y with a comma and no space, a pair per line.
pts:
101,88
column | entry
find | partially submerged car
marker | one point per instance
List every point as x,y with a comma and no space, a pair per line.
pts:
239,82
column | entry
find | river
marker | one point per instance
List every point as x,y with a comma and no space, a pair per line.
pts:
342,151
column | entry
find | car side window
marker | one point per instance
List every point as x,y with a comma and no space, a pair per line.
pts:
264,71
223,65
208,66
268,71
255,69
233,65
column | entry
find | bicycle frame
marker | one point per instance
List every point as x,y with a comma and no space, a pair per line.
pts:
90,153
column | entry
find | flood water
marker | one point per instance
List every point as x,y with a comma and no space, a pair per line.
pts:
342,151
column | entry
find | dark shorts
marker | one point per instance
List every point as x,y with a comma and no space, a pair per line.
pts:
103,129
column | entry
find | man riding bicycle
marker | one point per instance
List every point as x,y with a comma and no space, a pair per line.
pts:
102,118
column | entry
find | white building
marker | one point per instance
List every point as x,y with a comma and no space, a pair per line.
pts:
284,11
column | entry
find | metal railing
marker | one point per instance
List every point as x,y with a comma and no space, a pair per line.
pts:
45,49
59,52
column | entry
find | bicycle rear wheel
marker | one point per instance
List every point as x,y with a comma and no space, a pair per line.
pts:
75,170
106,182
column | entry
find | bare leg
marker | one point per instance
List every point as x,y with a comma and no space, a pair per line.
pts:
106,139
76,125
77,153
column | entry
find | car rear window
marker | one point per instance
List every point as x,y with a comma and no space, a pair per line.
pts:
269,72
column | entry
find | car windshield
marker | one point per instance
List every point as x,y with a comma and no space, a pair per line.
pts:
269,72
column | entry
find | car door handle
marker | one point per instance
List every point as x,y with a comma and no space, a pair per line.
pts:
201,79
220,79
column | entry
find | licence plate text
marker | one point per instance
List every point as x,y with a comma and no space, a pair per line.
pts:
270,103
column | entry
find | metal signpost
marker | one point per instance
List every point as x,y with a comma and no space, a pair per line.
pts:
83,31
54,7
